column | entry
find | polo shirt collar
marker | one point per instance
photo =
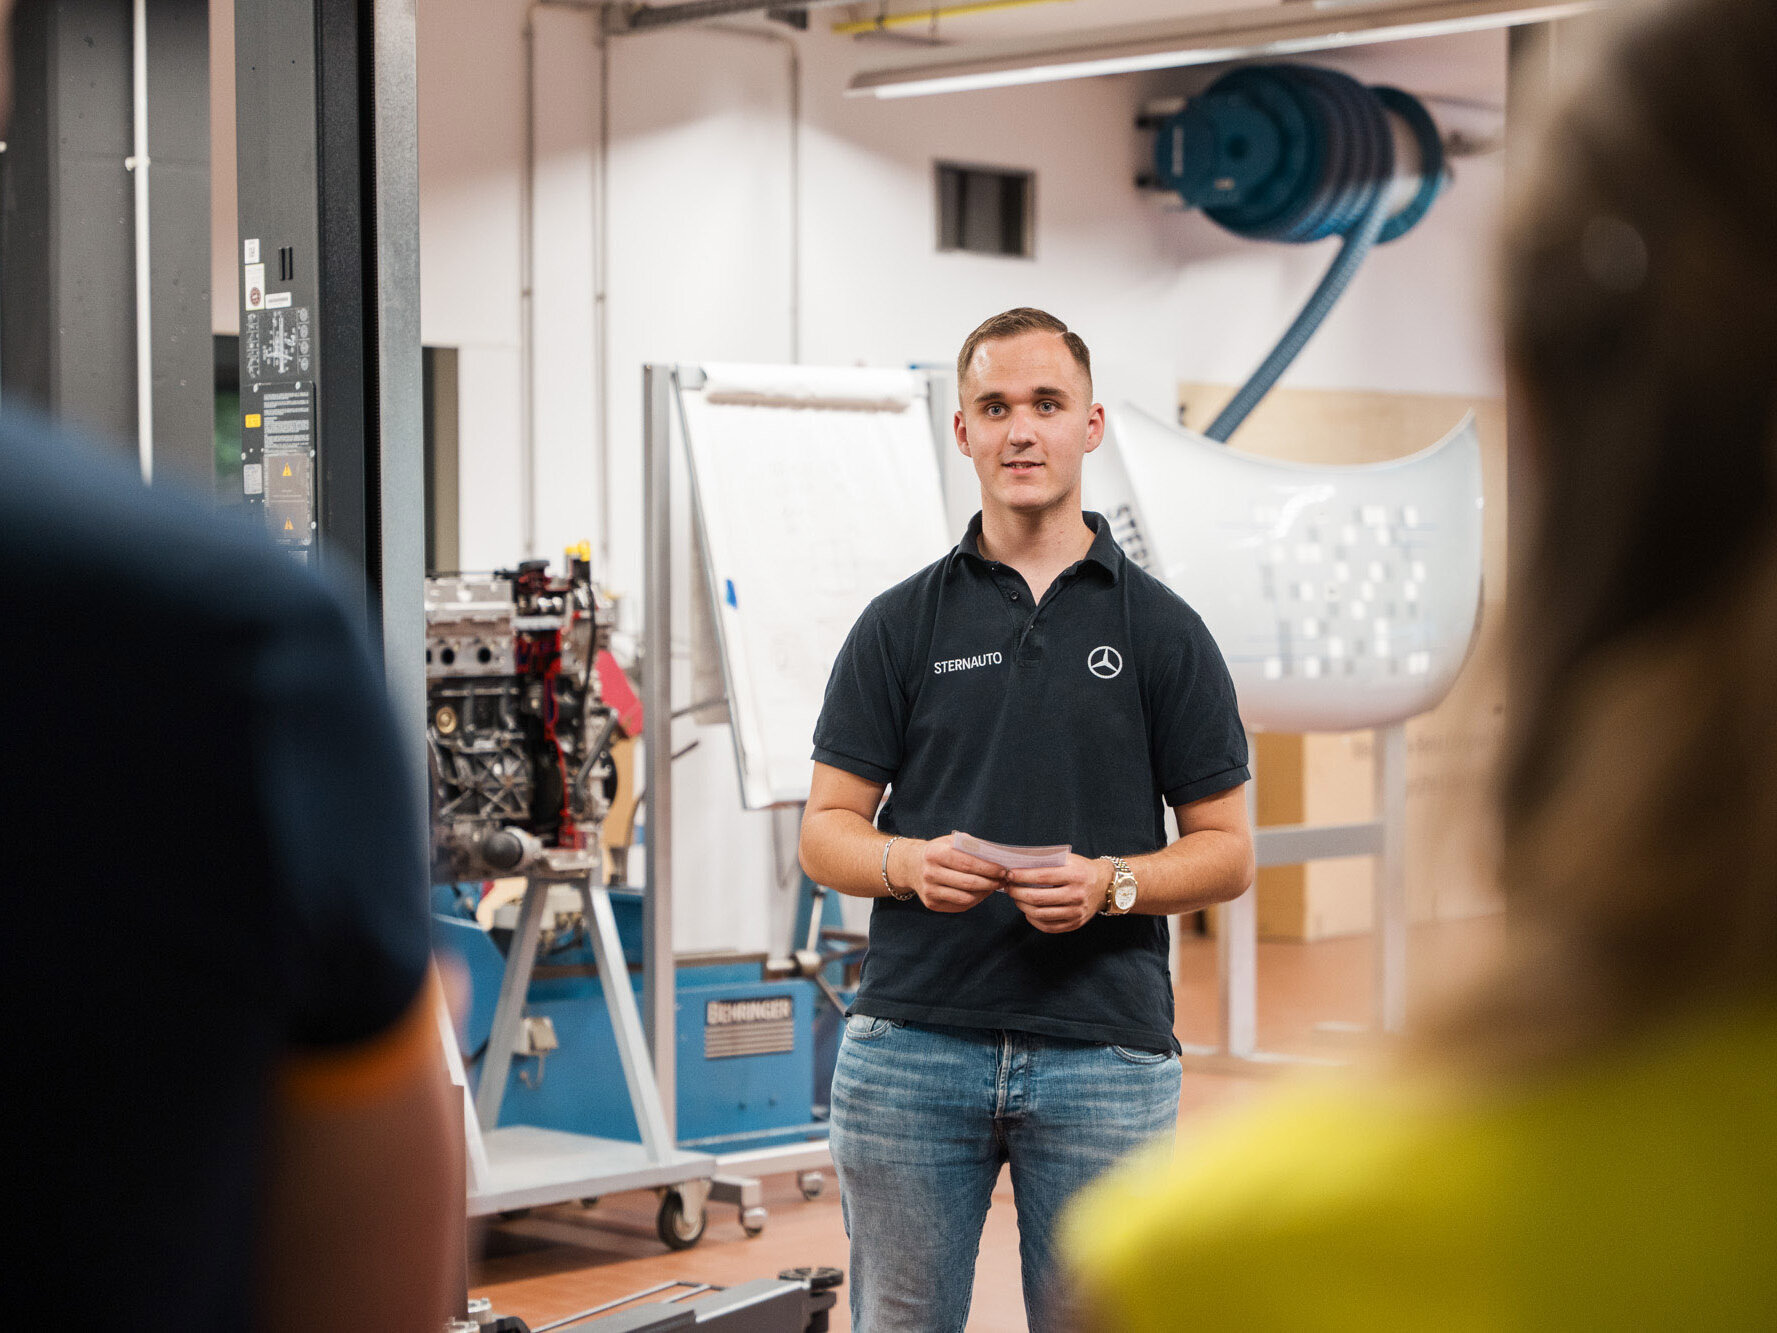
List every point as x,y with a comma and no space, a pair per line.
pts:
1105,553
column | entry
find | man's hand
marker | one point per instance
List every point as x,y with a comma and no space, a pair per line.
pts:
945,879
1058,899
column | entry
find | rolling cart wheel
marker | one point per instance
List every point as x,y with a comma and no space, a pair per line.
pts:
818,1279
811,1183
752,1220
676,1230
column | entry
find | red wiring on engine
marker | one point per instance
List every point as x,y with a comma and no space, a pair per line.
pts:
539,655
569,835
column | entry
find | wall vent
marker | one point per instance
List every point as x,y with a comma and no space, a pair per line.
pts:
986,210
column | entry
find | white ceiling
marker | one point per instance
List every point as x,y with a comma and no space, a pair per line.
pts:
1463,67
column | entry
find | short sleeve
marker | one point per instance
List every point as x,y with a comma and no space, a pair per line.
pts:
345,839
863,723
1198,741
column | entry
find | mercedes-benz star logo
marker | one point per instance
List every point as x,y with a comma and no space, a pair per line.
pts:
1104,662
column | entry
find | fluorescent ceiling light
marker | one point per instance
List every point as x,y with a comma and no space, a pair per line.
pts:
1283,29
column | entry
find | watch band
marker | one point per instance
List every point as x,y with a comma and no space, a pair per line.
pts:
1120,869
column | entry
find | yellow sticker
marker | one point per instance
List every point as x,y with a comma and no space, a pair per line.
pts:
252,421
289,526
286,469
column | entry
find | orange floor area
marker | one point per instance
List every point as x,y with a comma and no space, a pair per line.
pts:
557,1261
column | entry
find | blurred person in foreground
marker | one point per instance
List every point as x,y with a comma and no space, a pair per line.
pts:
1591,1139
227,1107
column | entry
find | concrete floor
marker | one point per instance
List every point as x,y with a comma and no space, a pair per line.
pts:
557,1261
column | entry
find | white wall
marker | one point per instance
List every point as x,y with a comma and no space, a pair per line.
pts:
699,265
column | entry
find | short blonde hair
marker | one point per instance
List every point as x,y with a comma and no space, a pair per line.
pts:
1011,323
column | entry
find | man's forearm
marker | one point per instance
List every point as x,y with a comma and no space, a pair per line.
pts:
1198,870
843,850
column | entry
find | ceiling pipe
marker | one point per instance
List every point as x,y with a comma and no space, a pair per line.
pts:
622,18
1242,34
793,54
138,163
926,17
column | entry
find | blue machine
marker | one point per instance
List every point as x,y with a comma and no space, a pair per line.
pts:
755,1053
1298,154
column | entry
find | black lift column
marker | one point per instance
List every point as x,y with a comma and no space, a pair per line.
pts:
329,290
67,238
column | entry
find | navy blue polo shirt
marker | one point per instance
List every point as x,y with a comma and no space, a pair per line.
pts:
1075,720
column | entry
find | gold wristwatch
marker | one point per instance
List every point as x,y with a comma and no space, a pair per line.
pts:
1119,894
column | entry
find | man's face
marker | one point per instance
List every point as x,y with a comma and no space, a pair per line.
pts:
1027,422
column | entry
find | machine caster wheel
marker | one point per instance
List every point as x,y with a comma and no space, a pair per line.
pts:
676,1230
752,1221
590,1201
811,1183
514,1214
818,1279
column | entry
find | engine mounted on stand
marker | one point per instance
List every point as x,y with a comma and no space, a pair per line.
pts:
529,723
517,729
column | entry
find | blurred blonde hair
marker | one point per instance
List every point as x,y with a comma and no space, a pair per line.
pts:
1637,794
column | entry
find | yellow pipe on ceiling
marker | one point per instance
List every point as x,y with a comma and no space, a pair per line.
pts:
924,16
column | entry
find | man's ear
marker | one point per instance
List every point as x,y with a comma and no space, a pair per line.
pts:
1095,427
962,433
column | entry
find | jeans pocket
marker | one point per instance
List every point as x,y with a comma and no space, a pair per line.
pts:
1134,1057
865,1027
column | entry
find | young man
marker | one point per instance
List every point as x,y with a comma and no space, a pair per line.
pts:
1032,687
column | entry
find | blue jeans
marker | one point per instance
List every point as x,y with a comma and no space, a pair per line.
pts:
923,1116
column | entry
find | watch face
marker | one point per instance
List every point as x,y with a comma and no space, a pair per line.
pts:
1125,896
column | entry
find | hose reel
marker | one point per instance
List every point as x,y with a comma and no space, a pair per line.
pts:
1297,154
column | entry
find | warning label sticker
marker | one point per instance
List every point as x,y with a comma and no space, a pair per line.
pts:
277,344
287,477
289,522
288,416
253,284
289,421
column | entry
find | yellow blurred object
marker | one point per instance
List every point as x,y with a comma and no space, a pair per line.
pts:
1638,1190
909,18
581,550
